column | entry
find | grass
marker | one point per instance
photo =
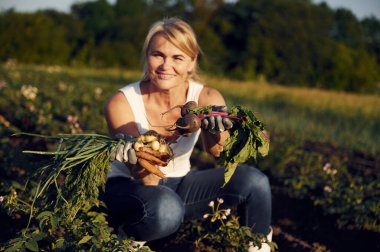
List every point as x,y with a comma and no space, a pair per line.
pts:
349,121
292,115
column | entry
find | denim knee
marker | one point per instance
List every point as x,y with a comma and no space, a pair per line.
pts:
251,180
164,215
255,210
169,212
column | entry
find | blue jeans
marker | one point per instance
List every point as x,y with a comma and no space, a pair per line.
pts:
153,212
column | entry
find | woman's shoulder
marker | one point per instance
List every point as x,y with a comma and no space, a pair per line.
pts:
210,96
129,86
205,90
118,99
119,115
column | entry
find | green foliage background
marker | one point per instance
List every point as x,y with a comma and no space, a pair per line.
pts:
292,42
324,147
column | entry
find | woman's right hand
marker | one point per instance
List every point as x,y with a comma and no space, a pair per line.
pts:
144,176
127,155
124,152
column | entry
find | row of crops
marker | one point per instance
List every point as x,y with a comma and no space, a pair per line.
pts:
323,148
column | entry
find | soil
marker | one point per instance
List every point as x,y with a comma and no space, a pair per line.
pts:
298,225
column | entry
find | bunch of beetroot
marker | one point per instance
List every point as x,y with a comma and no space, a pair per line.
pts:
247,138
192,116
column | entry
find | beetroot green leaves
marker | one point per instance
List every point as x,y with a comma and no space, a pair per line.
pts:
246,142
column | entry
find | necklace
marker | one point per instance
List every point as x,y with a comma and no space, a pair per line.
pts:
170,135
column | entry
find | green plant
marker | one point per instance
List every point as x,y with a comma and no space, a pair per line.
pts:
326,180
294,117
220,230
88,232
65,211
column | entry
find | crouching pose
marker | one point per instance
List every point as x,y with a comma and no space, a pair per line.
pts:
145,206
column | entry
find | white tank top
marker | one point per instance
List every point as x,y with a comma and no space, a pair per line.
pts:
182,149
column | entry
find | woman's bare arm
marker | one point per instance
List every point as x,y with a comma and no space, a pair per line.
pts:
120,119
119,116
212,143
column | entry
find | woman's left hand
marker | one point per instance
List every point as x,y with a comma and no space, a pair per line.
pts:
217,123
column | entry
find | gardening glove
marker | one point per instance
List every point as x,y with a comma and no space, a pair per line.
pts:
217,123
124,152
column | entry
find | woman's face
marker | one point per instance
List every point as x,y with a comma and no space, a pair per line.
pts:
168,66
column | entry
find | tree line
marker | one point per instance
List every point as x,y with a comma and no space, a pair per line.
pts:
291,42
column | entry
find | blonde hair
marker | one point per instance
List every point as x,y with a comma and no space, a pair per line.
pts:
180,34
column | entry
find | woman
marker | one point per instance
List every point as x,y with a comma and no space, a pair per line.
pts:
149,208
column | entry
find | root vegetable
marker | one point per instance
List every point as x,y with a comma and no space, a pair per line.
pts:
150,138
138,145
139,173
151,133
185,109
165,156
150,167
187,124
141,138
155,145
147,155
192,118
163,148
151,158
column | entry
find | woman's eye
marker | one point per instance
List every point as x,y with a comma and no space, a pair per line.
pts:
156,54
178,59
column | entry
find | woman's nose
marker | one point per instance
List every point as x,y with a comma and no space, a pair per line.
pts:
165,64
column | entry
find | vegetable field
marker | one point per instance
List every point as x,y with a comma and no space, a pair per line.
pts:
323,163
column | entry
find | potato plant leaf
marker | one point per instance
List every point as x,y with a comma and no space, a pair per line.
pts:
85,239
32,245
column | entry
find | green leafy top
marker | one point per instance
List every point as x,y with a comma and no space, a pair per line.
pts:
83,160
201,110
247,139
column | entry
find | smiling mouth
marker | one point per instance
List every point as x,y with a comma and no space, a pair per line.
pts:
162,76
